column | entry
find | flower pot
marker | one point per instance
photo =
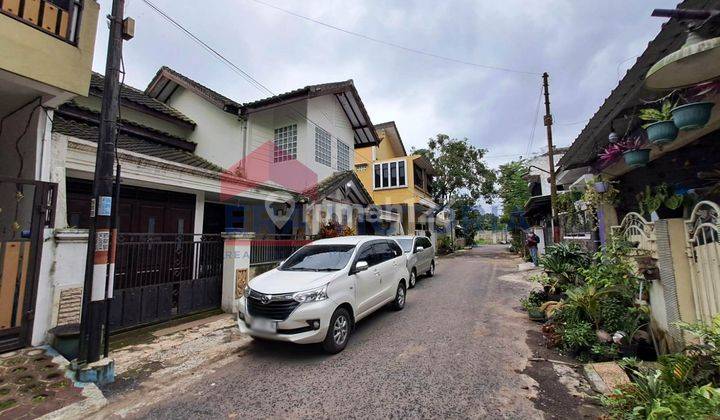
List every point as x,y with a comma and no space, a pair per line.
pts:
601,187
662,132
637,158
692,116
535,314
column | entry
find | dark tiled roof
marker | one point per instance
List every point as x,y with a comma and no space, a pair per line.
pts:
221,100
132,143
72,105
310,90
332,183
138,97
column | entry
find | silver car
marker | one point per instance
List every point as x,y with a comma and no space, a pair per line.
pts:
420,255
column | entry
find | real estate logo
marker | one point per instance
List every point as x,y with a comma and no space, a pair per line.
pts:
272,175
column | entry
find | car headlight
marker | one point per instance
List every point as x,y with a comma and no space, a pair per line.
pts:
312,295
246,292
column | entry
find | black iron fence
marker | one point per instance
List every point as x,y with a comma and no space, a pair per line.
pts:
161,276
266,249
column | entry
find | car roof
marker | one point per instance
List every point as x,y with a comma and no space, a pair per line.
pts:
347,240
404,237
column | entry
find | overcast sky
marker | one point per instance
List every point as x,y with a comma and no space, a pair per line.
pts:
586,46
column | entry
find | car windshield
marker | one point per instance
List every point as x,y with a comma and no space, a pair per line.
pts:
319,258
405,244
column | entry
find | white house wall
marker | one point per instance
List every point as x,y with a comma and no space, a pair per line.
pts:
543,162
325,111
328,114
218,134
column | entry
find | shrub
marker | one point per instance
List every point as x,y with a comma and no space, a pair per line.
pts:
564,262
686,385
534,300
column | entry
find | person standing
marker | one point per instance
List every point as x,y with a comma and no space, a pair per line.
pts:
532,243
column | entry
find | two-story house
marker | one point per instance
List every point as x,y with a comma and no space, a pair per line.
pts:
301,142
46,54
398,183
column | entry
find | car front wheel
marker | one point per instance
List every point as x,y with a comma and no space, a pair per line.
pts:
400,296
338,331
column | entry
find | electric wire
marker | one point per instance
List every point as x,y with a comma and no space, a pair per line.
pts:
534,124
394,45
244,74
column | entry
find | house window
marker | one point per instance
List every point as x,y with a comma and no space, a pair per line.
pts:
390,175
419,178
285,143
343,158
323,152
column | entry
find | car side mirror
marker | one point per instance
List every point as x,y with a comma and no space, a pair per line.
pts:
361,266
418,248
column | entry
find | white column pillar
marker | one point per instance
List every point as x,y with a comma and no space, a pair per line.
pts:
236,268
199,212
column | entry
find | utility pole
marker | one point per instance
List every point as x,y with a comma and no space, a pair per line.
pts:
101,241
548,120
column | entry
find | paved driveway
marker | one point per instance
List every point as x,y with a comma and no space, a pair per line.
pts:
457,350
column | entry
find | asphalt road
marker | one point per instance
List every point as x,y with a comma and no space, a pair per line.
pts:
457,350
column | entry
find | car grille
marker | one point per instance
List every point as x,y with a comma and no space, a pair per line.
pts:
279,308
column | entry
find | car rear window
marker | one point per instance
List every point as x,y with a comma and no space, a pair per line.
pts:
405,244
319,258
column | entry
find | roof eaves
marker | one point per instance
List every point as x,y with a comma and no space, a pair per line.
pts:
587,144
217,99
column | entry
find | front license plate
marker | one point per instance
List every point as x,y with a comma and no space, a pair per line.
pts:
264,325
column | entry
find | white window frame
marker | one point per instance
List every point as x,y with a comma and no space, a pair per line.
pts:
285,141
323,146
393,168
343,163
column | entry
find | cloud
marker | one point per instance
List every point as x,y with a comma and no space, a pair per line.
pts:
582,44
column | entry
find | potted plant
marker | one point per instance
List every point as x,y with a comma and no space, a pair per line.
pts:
660,127
610,154
634,153
696,113
649,201
600,185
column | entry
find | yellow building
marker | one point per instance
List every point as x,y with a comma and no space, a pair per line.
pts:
397,182
46,54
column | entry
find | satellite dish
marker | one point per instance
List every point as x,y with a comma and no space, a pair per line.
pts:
695,62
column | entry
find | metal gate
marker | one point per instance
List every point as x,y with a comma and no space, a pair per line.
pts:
26,208
159,277
639,232
702,232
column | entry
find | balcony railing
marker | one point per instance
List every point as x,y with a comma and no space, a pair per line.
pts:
59,18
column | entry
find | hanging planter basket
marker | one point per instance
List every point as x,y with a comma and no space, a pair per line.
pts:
602,186
662,132
692,116
637,158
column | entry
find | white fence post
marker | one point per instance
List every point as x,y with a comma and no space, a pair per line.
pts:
236,267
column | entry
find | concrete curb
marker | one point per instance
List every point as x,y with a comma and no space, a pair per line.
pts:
94,398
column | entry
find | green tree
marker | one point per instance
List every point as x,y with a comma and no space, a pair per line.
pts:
468,215
513,189
461,171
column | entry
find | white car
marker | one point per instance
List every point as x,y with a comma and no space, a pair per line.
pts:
320,292
420,255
